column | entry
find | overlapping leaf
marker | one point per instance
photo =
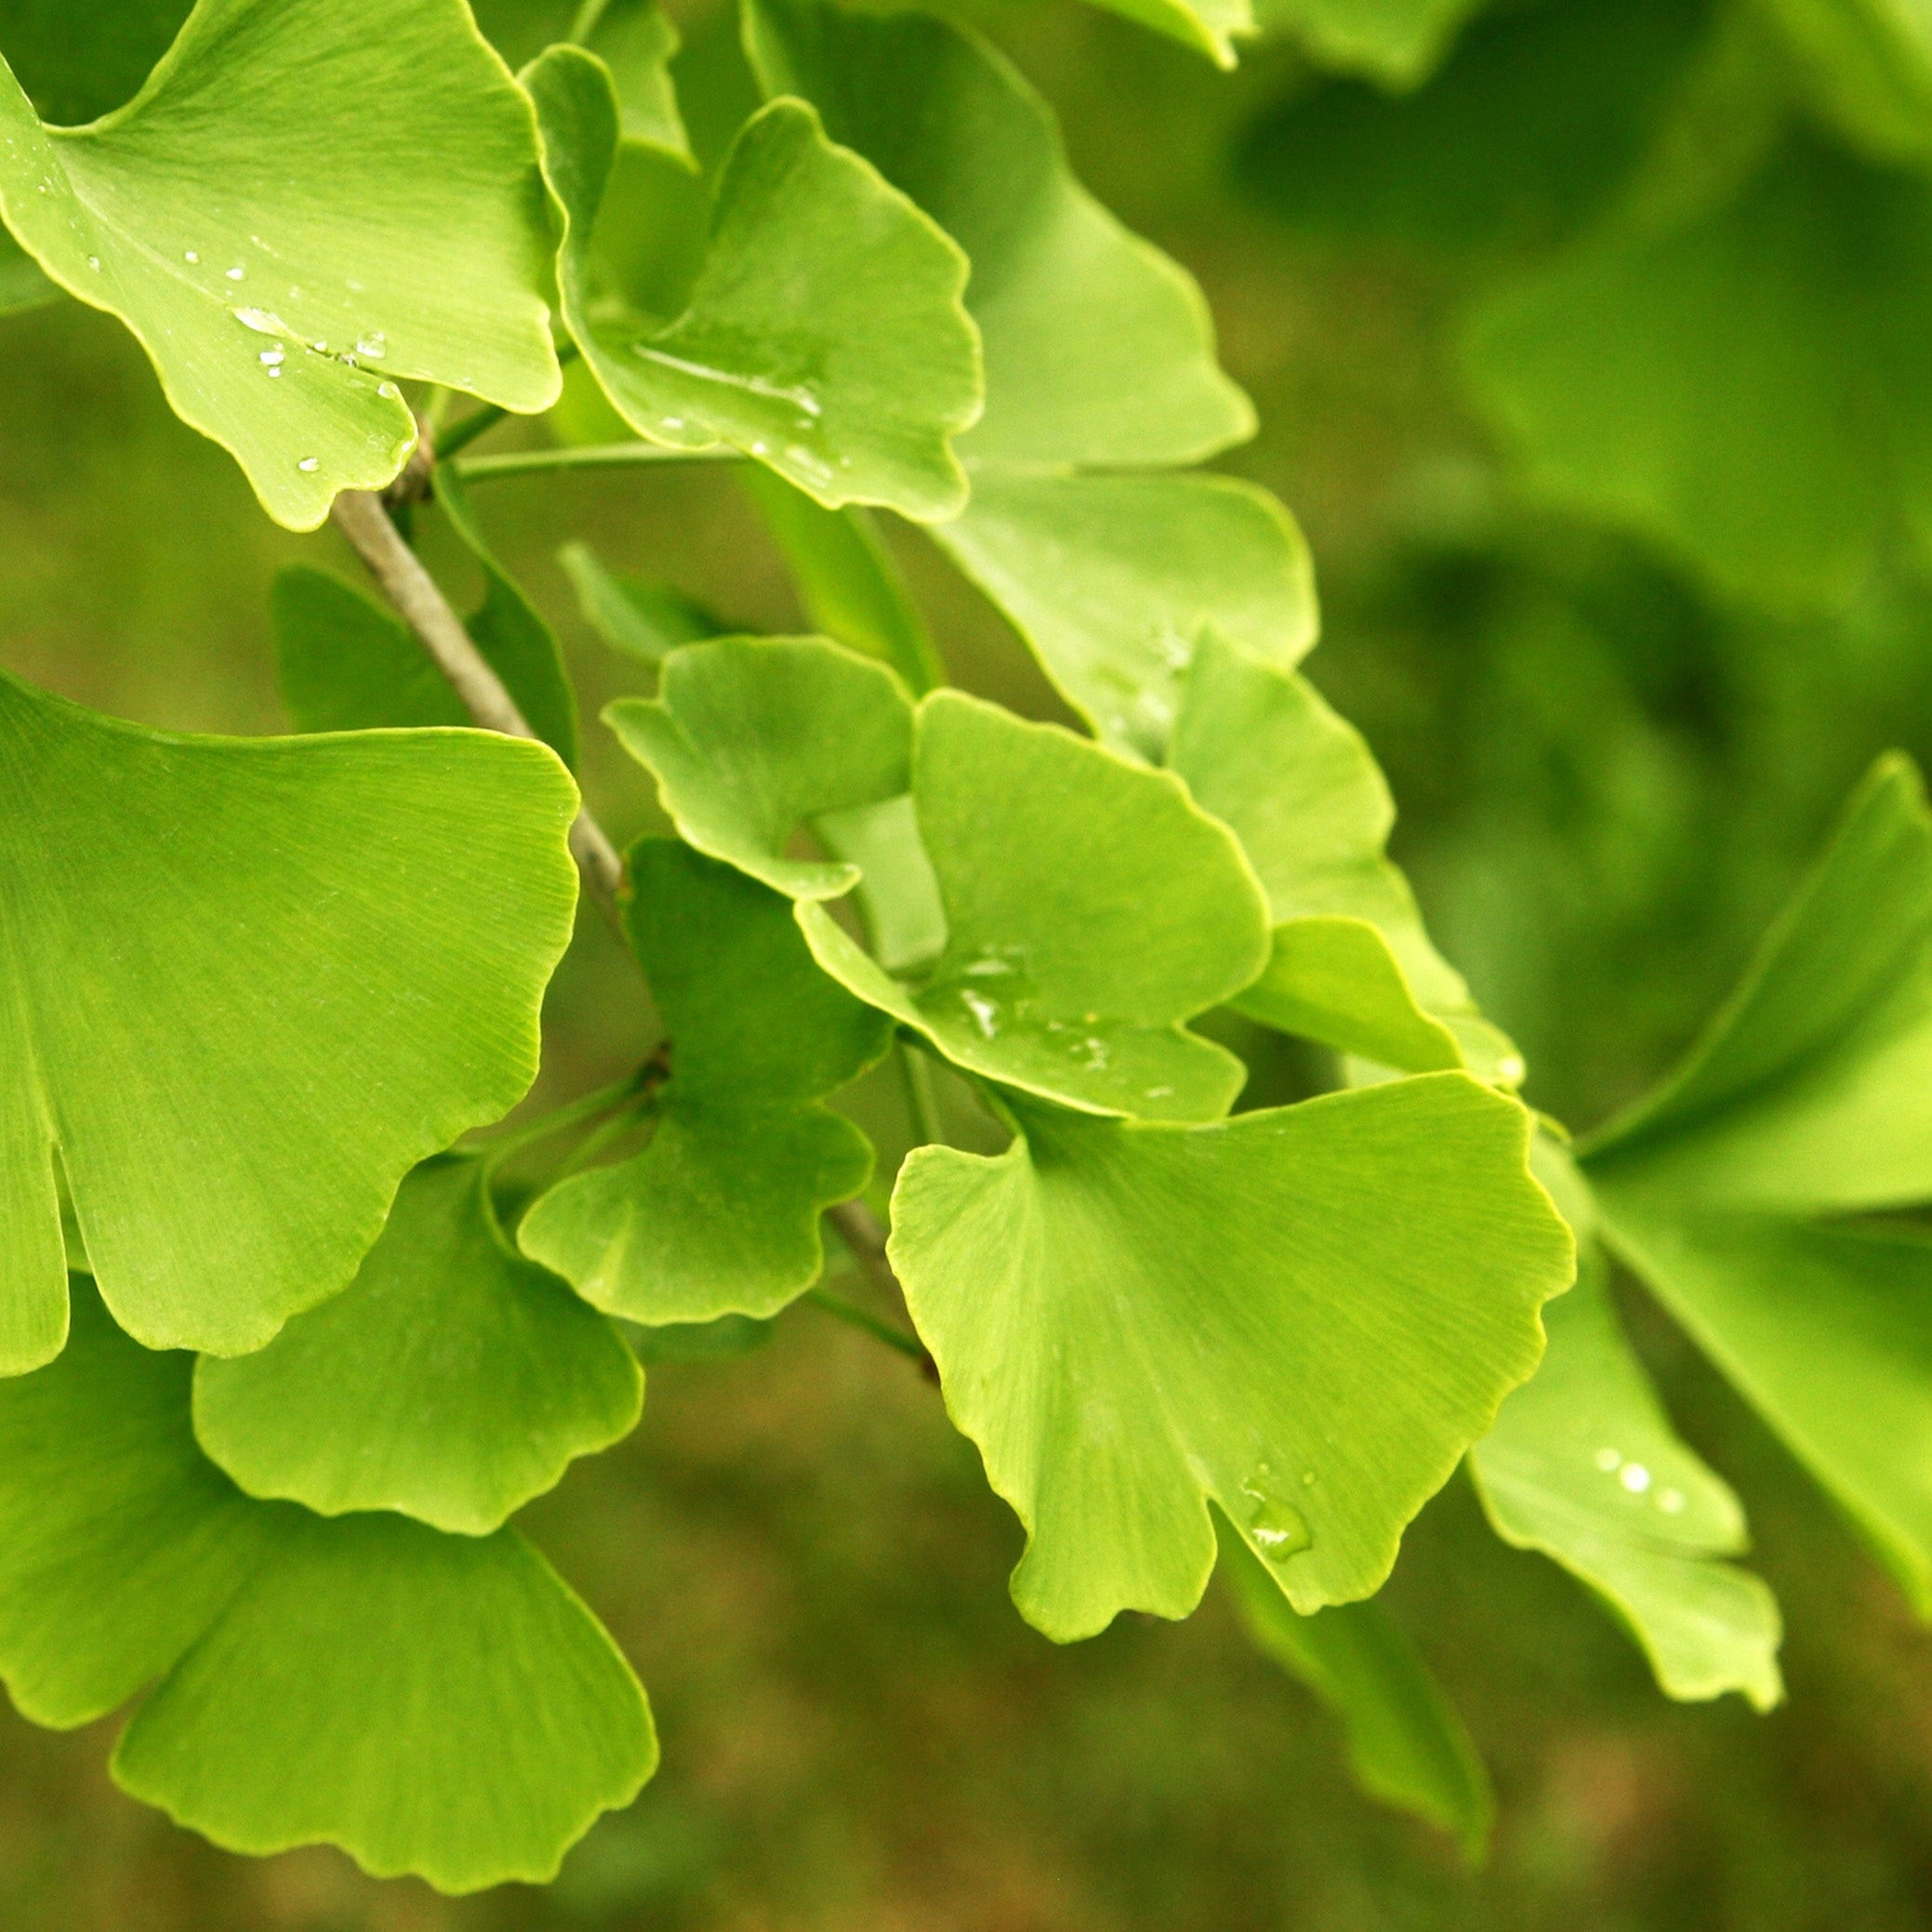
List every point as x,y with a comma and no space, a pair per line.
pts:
1351,965
1584,1465
452,1381
720,1214
1394,42
636,40
825,334
435,1704
1868,65
1407,1746
1099,357
1744,1191
252,983
1304,1315
253,221
642,619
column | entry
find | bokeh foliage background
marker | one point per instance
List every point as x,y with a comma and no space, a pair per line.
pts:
1617,725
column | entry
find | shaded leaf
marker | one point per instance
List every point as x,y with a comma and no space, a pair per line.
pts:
1210,27
451,1381
434,1704
847,582
1394,42
1090,909
1407,1745
752,738
255,981
22,284
247,218
643,620
1351,965
720,1214
635,40
825,334
75,67
1808,1101
1867,64
1304,1315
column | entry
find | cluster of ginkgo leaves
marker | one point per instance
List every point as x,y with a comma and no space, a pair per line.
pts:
283,1355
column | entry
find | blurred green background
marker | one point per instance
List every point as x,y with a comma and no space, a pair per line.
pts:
1613,756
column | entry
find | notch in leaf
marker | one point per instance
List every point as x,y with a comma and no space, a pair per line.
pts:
248,218
253,982
1304,1315
825,335
720,1214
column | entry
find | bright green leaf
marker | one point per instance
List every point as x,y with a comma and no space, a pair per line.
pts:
1352,965
251,219
1394,42
1584,1465
433,1704
441,1706
1210,27
1745,386
643,620
720,1214
1099,355
1809,1099
1090,909
452,1381
847,582
255,981
1113,578
1407,1746
635,40
752,738
1304,1315
825,334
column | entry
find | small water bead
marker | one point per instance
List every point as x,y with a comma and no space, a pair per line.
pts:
310,464
94,263
1277,1529
273,358
1510,1069
375,345
236,273
1635,1478
986,1015
190,256
1157,1093
389,391
1608,1461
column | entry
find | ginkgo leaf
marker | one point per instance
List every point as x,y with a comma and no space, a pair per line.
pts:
435,1704
1305,1316
1584,1465
441,1706
451,1381
346,663
1407,1746
1352,965
753,738
825,334
1868,65
643,620
1806,1102
255,981
636,40
1210,27
1744,384
1394,42
1099,356
1090,909
847,581
720,1214
247,216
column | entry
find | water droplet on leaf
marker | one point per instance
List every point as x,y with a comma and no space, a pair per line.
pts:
309,463
1635,1478
236,274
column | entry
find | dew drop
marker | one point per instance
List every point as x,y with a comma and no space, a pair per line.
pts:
389,391
309,463
94,263
986,1015
1510,1069
1093,1054
273,358
1157,1092
375,345
1607,1460
190,256
274,372
1635,1478
1671,1501
236,273
759,447
674,422
1277,1529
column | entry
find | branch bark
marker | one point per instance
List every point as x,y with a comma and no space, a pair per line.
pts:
364,520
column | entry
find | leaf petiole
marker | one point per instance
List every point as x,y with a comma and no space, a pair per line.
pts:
592,455
587,1108
894,1337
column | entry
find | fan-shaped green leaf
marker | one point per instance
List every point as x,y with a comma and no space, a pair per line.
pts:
434,1704
452,1380
1306,1315
1091,908
752,738
847,581
1809,1099
720,1214
1210,27
1352,965
251,218
1584,1465
825,334
1395,42
635,40
1407,1746
643,620
1745,385
253,982
1099,355
441,1706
